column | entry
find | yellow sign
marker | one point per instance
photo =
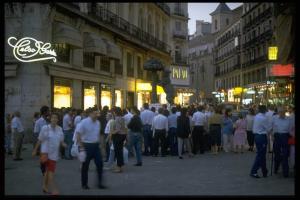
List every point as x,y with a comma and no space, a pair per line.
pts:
148,87
273,53
179,73
237,90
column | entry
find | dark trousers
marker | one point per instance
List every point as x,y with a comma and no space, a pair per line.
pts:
281,152
173,142
107,148
250,138
92,152
118,141
160,136
18,142
261,143
148,141
198,139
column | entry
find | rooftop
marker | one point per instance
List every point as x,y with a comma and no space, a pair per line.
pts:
222,8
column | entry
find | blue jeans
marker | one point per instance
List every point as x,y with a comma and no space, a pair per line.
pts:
261,142
147,133
92,152
135,139
173,142
281,152
69,141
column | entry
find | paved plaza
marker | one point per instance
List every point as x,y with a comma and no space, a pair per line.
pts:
225,174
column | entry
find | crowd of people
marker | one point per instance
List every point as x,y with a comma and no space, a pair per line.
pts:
168,131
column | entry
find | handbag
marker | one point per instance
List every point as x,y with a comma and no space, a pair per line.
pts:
74,150
44,156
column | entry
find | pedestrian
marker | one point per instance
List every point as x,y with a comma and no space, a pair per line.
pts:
18,135
40,122
103,121
215,126
68,132
127,116
109,118
261,128
135,135
172,123
8,135
50,138
227,131
250,135
292,135
240,134
281,125
183,132
78,117
119,134
178,109
271,112
199,121
153,109
160,130
88,138
147,118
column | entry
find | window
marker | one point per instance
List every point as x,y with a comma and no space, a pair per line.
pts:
216,24
105,64
62,93
227,21
130,68
106,96
178,26
62,52
118,67
89,95
89,60
139,67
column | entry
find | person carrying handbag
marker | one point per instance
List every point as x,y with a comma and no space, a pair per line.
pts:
50,138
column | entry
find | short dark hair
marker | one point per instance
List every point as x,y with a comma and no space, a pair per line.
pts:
146,105
173,110
251,111
227,111
118,111
44,110
200,108
160,110
183,112
124,111
153,109
262,108
79,111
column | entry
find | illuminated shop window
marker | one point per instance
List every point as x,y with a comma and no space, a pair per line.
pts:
89,95
118,98
62,93
106,96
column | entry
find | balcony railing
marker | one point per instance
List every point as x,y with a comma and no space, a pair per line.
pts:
264,36
180,34
123,26
260,18
228,54
164,7
255,61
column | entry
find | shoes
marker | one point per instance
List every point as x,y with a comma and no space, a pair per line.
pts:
102,187
18,159
180,157
138,164
254,175
85,187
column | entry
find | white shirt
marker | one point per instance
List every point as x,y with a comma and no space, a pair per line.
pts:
261,124
269,115
281,125
107,127
39,124
51,139
160,122
147,117
178,113
89,131
77,120
127,118
199,118
17,124
249,119
67,120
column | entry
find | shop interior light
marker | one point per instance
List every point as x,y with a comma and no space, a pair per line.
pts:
272,54
250,92
217,95
214,93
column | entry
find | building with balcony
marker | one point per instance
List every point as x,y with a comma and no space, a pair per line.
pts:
258,26
227,58
100,47
180,72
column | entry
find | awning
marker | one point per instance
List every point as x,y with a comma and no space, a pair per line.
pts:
113,51
94,43
63,33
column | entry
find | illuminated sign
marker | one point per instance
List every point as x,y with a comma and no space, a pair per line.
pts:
273,53
282,70
148,87
180,75
29,49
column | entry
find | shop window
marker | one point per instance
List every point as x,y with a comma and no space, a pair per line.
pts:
130,99
118,67
118,98
62,93
105,64
89,60
62,52
139,68
106,96
130,68
89,95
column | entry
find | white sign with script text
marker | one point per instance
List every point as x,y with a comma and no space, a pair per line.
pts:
29,49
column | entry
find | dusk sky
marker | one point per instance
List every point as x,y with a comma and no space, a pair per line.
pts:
201,11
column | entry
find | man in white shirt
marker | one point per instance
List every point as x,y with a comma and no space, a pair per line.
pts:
160,130
78,117
42,121
147,118
68,132
199,121
18,135
261,128
281,125
88,138
127,117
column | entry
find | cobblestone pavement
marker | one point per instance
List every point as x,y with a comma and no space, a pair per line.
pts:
224,174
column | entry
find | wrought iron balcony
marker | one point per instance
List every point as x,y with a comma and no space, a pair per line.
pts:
255,61
258,19
180,34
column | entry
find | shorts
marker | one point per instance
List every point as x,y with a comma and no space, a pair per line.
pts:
50,165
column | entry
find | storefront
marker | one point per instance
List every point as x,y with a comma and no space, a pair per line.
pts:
106,96
62,93
183,96
90,91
